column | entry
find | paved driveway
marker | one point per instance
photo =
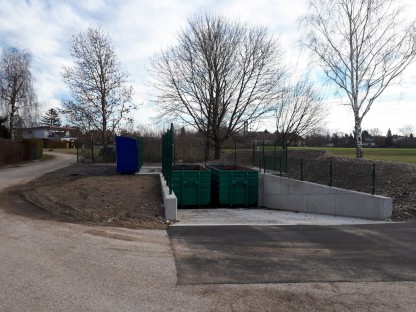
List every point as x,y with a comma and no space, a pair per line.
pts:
25,172
282,254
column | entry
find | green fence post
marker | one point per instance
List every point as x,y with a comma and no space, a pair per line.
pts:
264,165
280,166
235,152
330,173
274,155
77,150
254,154
373,180
172,156
301,169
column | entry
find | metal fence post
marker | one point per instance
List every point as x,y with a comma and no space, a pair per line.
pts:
235,152
330,173
373,180
254,154
301,169
280,166
274,155
286,152
260,164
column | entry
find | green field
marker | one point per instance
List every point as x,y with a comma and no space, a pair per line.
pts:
407,155
392,154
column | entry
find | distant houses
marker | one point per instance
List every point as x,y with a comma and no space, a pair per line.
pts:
368,140
50,135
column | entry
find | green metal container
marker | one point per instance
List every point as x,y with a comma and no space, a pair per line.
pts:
191,185
234,185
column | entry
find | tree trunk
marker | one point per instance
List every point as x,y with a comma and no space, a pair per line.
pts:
217,148
206,156
104,133
11,117
358,139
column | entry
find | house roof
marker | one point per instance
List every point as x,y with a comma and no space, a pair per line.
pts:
49,128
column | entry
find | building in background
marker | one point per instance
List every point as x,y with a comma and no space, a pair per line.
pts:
49,134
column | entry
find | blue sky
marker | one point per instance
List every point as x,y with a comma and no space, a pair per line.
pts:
140,28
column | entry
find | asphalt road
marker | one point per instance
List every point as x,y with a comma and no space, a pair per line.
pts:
27,171
47,265
286,254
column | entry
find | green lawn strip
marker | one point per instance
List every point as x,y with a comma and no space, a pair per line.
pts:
390,154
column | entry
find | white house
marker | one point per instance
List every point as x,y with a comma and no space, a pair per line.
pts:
50,133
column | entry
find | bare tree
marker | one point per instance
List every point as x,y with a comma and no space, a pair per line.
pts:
362,47
219,75
299,111
407,130
375,132
18,98
100,96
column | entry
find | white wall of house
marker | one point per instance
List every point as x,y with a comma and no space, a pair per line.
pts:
45,133
36,133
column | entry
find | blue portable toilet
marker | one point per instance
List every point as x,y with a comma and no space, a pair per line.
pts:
126,155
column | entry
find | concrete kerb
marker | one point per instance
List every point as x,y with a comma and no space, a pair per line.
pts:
169,201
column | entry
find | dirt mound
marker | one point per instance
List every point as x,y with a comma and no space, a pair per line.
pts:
96,194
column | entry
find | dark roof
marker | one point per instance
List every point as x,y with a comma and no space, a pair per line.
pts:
49,128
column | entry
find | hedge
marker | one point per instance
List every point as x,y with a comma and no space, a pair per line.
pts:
33,149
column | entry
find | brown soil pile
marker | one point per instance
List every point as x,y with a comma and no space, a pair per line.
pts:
96,194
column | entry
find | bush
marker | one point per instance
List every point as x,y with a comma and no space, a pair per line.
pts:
33,149
56,144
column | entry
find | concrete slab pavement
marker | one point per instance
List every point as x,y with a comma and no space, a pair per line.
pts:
250,216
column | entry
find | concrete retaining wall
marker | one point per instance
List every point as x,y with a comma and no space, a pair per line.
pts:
169,201
293,195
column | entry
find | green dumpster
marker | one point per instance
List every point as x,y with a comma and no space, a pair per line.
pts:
234,185
191,185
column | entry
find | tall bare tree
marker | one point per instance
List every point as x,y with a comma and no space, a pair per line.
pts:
100,94
299,111
18,98
220,74
362,47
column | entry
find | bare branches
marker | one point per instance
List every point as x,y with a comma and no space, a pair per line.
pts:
219,75
299,111
100,94
362,46
17,95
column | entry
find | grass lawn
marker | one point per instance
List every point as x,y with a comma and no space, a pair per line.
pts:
392,154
